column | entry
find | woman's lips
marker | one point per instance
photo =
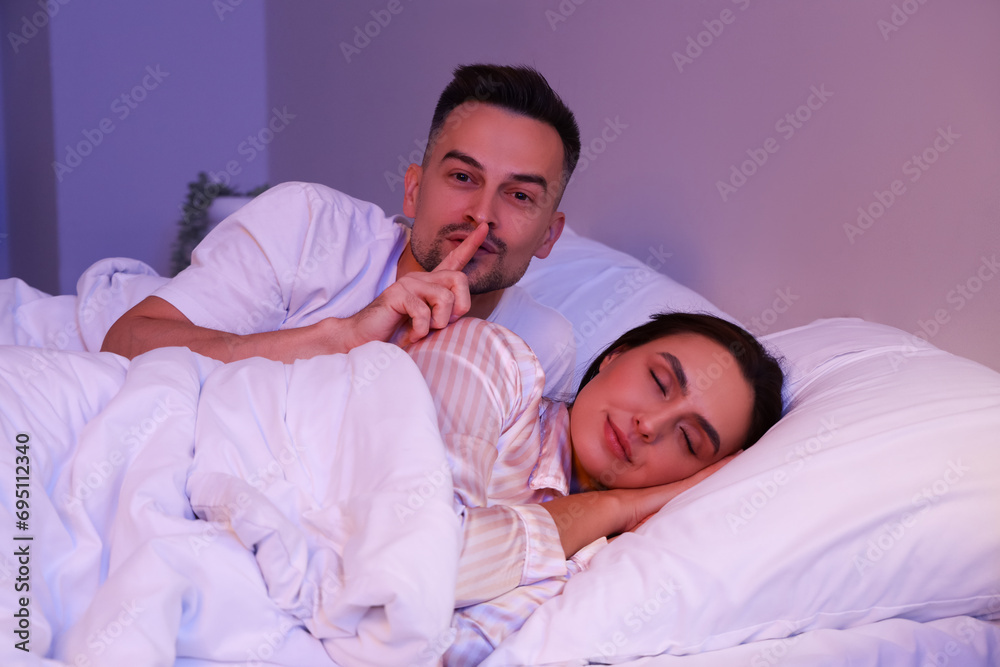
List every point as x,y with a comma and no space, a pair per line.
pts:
617,442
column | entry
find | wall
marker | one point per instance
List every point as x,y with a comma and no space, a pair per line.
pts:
889,106
4,241
143,96
29,197
777,246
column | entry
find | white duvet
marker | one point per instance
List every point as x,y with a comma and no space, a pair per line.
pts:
324,510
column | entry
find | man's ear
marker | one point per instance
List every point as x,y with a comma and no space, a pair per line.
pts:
411,189
552,234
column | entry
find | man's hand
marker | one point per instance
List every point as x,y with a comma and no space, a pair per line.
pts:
418,302
410,308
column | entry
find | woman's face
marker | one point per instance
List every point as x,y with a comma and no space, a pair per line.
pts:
659,413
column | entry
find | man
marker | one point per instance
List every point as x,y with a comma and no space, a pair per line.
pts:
304,270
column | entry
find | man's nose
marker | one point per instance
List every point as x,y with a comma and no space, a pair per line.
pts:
480,209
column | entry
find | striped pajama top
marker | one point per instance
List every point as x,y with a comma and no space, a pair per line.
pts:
508,451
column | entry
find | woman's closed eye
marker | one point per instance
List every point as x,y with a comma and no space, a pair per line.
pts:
659,383
687,440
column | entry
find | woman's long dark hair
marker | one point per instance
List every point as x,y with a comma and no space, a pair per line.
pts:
759,368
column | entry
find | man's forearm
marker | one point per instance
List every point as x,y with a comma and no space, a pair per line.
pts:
154,323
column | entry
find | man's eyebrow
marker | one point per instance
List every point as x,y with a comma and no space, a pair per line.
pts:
682,382
532,179
535,179
462,157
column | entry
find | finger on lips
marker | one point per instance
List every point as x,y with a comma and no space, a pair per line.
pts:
466,250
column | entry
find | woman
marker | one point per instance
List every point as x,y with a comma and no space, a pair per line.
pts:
661,408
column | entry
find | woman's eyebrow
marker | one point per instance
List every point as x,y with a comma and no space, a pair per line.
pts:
713,435
675,366
682,382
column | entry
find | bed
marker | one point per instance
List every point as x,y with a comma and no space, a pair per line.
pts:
863,529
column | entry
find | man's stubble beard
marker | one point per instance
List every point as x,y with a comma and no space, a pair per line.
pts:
428,257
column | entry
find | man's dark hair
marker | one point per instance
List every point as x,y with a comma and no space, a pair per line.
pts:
520,89
759,368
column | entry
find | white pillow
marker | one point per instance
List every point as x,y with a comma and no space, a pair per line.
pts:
604,292
876,496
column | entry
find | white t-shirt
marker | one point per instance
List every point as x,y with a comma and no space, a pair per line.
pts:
302,252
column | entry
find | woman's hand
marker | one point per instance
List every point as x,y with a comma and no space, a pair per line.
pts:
583,517
644,503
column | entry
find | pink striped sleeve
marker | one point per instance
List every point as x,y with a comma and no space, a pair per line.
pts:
506,547
487,386
473,373
480,628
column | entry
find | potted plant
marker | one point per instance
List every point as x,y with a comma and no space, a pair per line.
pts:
207,203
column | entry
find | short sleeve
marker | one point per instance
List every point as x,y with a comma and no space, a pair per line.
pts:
291,256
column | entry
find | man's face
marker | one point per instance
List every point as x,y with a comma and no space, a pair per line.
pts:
491,166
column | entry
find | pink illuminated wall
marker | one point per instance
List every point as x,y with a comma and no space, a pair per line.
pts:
742,136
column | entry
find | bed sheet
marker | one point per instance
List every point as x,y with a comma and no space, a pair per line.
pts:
961,641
